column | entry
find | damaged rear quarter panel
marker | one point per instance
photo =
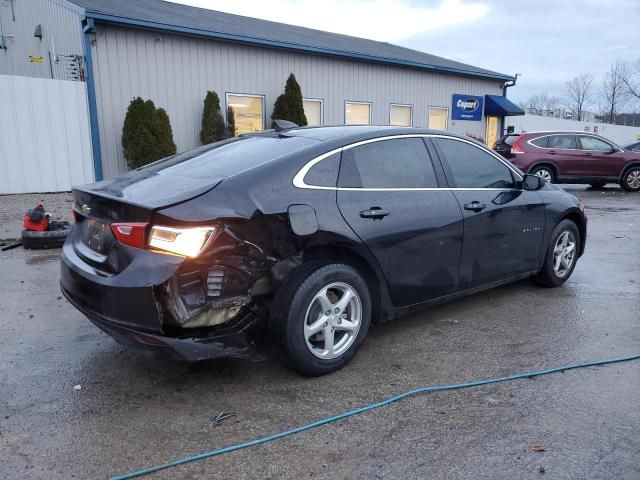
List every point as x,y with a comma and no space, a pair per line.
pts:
255,243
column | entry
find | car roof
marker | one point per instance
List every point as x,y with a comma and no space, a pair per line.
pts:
558,132
353,133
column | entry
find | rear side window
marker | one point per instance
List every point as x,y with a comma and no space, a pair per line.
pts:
563,142
472,167
324,173
540,142
398,163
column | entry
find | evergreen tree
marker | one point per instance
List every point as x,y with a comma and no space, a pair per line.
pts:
146,133
289,106
213,128
231,123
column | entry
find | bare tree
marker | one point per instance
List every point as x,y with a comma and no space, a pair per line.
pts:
614,90
541,104
578,94
632,80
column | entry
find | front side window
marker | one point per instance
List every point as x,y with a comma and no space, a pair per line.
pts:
313,111
563,142
400,115
593,143
397,163
248,111
472,167
357,113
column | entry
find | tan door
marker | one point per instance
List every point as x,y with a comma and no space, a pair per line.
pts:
492,131
438,117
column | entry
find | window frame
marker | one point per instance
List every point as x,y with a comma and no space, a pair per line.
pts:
410,105
435,107
298,179
357,102
247,95
321,100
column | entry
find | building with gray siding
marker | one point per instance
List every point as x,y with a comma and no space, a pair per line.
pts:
172,54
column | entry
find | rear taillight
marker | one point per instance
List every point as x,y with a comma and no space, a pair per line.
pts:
515,146
131,234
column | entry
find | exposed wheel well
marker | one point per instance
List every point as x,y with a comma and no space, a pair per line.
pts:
576,218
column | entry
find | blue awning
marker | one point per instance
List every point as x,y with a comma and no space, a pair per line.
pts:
499,106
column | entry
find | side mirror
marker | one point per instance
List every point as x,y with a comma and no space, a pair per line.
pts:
532,182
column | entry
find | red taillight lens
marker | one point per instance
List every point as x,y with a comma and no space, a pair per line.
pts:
132,234
515,147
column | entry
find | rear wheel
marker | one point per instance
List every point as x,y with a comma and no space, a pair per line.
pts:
544,172
321,316
562,255
631,179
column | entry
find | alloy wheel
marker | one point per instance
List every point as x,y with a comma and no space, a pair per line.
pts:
633,179
333,320
564,253
544,174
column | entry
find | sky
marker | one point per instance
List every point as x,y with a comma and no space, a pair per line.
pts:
548,42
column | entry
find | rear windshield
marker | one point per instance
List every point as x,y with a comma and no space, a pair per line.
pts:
223,159
509,139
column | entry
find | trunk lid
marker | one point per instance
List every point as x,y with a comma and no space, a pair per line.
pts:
132,197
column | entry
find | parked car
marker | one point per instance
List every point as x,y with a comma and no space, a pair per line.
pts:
576,157
311,233
632,146
503,145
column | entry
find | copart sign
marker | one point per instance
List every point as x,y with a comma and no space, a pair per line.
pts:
466,107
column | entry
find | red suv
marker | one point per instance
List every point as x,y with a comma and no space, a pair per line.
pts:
573,157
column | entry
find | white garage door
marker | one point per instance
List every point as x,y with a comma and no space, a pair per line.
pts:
45,140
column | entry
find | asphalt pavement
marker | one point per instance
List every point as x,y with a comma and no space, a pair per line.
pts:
74,404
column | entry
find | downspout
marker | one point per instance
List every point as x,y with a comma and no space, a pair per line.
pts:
88,27
506,85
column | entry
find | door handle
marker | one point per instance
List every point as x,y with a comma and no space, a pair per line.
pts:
587,154
475,206
376,213
551,152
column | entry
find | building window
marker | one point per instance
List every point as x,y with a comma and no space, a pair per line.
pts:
357,113
248,111
400,115
438,118
313,111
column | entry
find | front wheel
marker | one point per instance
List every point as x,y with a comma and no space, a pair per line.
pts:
562,255
631,179
544,172
321,316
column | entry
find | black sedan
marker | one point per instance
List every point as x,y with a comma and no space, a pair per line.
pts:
308,236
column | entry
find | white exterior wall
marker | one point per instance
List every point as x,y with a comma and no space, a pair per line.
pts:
45,141
176,71
616,133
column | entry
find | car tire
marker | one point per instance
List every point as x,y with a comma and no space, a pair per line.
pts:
544,171
555,271
631,179
46,239
307,313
